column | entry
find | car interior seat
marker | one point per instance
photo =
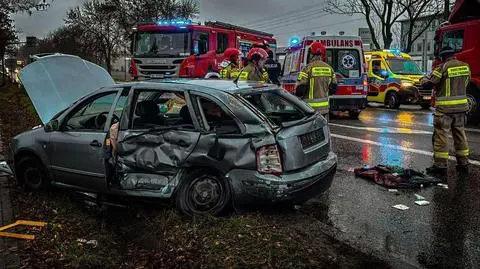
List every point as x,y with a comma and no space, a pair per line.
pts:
147,113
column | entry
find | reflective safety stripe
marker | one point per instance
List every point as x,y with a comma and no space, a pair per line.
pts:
437,74
234,73
243,75
440,155
447,87
265,76
451,102
321,72
302,75
317,102
458,71
310,91
462,153
224,73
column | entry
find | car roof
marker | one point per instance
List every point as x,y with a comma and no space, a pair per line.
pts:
209,86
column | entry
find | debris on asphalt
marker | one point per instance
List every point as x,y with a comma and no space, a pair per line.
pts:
419,197
422,202
396,177
443,185
82,241
401,207
392,190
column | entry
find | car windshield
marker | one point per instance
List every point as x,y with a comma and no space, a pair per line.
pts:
280,107
162,44
404,67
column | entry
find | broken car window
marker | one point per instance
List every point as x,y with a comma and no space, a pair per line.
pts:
91,115
275,107
217,119
161,109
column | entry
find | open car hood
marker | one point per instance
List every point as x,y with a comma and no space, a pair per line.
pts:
55,82
464,10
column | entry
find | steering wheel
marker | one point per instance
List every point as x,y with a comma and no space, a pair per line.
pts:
100,120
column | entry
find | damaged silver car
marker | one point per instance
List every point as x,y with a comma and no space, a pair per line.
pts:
205,144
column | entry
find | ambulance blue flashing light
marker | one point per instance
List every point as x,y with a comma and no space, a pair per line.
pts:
293,41
396,52
181,23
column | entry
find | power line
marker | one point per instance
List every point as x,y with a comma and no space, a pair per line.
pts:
290,22
323,26
281,15
292,17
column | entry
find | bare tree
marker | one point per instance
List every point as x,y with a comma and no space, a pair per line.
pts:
446,9
387,12
100,28
420,14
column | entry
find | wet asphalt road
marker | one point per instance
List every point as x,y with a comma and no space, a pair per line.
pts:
443,234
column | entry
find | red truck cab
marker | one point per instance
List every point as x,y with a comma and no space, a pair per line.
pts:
461,33
178,48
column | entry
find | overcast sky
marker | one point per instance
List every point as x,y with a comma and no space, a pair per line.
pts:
284,18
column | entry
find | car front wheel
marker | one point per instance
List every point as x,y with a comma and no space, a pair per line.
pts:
32,174
203,193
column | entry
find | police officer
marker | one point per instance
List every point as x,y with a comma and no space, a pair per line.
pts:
450,80
316,80
231,65
273,68
255,70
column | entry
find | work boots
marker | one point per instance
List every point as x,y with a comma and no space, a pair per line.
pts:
437,169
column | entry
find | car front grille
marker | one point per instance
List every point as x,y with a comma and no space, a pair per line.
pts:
311,139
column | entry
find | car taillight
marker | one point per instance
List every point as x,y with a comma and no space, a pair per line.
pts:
365,84
269,160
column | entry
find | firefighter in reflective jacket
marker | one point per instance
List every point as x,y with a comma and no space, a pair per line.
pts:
255,70
450,81
231,64
316,80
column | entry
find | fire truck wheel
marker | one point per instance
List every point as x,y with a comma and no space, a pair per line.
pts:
392,101
473,97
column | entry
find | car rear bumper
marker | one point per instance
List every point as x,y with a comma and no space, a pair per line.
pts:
252,187
348,102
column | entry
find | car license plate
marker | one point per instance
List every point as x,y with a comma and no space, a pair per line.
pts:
157,76
427,98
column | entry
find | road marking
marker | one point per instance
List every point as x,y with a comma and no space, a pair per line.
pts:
412,123
418,151
384,130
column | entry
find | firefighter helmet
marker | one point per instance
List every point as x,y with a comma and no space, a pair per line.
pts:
232,53
258,53
317,48
447,51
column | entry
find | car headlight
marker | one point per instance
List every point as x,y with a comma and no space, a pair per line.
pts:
406,83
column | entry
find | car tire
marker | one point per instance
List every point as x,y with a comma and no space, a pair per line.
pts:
392,101
473,97
32,174
425,106
202,193
353,114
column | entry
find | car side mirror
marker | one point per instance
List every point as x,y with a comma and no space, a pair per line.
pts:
51,126
384,73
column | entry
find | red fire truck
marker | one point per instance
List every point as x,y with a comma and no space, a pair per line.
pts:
159,49
461,33
345,55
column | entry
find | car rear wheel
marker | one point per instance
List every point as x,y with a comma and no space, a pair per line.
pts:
32,174
392,101
203,193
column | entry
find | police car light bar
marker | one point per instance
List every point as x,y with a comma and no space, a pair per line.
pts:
293,41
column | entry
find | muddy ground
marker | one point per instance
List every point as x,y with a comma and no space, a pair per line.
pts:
154,235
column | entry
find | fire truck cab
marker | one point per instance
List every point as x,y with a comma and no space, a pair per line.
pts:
178,48
345,55
461,33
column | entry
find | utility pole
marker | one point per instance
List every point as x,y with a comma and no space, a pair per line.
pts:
424,51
